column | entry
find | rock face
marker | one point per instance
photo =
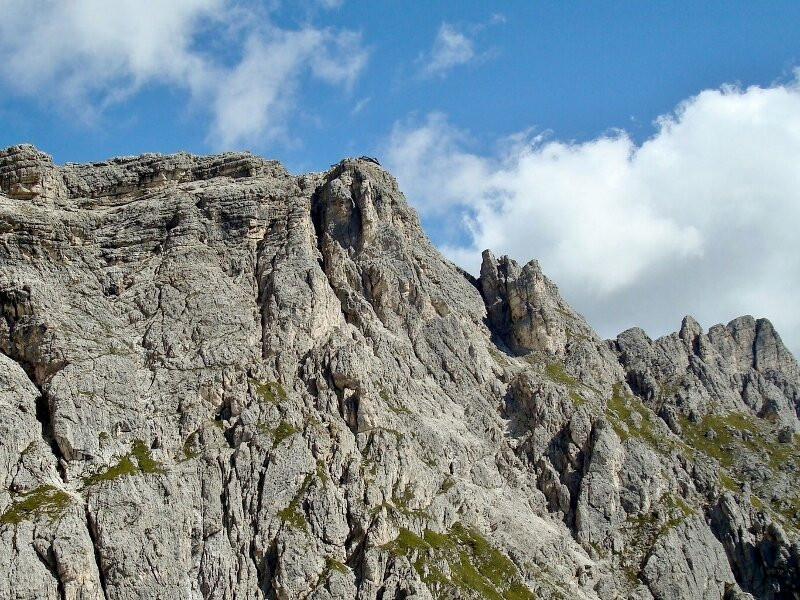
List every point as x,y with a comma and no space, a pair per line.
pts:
220,380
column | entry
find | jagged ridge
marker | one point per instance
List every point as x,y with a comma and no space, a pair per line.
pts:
253,384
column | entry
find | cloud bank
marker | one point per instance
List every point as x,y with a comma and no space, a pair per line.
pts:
86,55
702,218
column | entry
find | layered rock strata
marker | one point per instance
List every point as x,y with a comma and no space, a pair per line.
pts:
221,380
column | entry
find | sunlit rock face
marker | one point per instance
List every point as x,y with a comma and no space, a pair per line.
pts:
222,380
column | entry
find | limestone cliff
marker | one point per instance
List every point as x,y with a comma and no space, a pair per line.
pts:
220,380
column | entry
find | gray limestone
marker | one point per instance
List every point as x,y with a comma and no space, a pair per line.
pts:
221,380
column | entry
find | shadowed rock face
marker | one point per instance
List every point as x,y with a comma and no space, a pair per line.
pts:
221,380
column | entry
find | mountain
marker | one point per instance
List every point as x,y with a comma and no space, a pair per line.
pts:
221,380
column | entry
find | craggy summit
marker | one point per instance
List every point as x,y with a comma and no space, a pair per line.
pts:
220,380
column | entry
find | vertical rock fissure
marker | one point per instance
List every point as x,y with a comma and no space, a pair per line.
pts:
49,564
316,221
324,262
356,545
316,218
258,564
754,347
98,558
43,415
267,582
261,290
45,420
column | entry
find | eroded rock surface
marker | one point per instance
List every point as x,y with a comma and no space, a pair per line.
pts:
221,380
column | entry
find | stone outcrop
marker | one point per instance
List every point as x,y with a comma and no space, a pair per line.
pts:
222,380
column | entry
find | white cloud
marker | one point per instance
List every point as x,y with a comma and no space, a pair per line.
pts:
255,98
88,54
360,105
700,219
450,49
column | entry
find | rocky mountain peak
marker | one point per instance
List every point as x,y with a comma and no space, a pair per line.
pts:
222,380
525,308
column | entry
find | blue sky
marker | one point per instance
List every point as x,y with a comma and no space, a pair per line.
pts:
647,149
576,69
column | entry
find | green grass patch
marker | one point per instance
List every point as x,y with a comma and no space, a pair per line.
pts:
369,467
630,418
778,454
728,443
642,520
189,450
44,501
598,549
461,561
405,542
322,473
556,373
281,432
401,504
404,500
146,462
331,564
718,445
646,528
787,511
447,484
143,463
679,512
676,503
398,409
576,398
292,515
498,357
729,483
270,392
123,467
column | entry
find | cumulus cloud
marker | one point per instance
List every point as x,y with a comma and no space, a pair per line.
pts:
451,48
701,218
88,54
